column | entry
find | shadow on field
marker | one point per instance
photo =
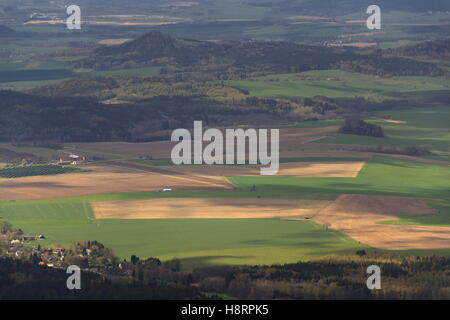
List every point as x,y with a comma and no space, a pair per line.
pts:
207,261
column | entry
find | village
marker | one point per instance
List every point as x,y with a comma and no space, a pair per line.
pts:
88,255
15,244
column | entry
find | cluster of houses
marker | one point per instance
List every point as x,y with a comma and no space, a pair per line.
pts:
15,248
27,238
50,257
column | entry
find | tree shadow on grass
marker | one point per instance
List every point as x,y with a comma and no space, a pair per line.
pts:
207,261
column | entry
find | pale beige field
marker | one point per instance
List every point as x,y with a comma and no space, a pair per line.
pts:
307,18
214,208
104,179
392,121
113,42
296,169
108,23
357,216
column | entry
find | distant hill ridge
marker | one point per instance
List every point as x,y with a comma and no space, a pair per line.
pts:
155,45
155,48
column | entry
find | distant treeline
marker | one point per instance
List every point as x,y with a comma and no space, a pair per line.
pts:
436,49
332,278
29,119
105,276
24,280
340,277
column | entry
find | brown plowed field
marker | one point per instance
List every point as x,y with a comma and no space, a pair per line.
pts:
104,179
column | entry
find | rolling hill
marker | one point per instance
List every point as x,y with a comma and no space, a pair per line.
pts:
155,48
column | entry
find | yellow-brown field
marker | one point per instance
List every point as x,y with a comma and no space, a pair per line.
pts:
208,208
358,215
296,169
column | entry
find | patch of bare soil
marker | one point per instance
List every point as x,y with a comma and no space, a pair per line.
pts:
358,215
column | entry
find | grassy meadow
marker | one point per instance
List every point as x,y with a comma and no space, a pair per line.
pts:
341,84
202,242
380,176
423,126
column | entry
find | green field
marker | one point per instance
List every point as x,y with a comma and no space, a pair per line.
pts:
200,242
380,176
196,242
424,126
340,84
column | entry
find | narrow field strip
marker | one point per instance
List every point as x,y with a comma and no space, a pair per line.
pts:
213,208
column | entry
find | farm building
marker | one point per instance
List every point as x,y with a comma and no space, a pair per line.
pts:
72,159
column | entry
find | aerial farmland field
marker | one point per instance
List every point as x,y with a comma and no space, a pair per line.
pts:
65,220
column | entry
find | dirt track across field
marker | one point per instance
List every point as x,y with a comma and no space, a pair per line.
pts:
358,215
208,208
